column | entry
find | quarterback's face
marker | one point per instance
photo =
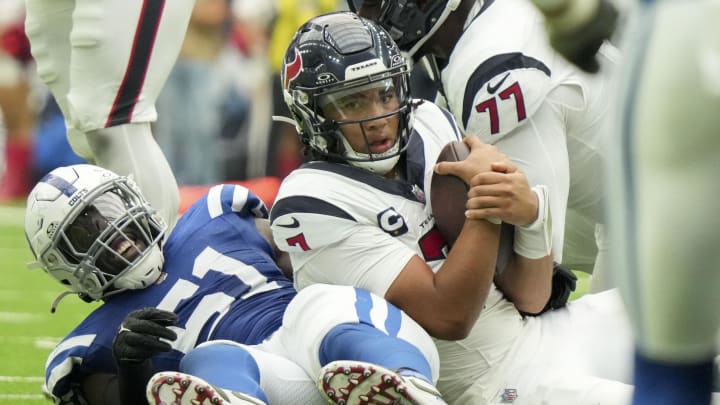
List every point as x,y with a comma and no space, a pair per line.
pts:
371,135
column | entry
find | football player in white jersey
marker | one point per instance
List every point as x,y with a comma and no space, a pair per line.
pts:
105,63
665,162
356,214
503,82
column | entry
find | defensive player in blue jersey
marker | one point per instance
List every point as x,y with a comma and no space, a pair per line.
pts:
214,277
662,205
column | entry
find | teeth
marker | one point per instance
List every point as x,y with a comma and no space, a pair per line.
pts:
123,247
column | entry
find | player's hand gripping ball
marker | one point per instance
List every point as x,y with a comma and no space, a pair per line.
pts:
448,196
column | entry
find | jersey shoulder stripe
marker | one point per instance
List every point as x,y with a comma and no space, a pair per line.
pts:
227,198
320,178
309,205
427,121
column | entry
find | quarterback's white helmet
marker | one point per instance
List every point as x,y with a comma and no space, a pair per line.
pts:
94,232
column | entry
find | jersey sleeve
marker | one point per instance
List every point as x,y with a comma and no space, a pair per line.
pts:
499,95
325,230
368,258
70,362
227,198
501,70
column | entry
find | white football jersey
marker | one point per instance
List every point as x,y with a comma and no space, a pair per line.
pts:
345,225
504,83
336,213
502,69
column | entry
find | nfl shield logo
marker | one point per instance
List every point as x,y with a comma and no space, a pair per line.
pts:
509,396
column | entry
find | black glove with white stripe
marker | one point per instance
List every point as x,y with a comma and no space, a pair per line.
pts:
140,335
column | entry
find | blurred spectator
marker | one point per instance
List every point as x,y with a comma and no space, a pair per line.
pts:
204,125
15,102
251,34
285,145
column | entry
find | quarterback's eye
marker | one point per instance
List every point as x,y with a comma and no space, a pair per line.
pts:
387,96
349,104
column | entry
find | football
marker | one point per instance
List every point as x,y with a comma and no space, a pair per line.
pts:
448,196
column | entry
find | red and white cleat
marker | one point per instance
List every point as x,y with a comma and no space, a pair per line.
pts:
345,382
174,388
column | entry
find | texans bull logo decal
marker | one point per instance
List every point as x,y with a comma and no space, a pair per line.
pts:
292,69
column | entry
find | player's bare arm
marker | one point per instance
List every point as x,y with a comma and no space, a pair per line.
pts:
447,303
506,194
502,191
527,280
452,298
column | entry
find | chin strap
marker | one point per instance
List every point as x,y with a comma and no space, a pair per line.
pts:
59,298
280,118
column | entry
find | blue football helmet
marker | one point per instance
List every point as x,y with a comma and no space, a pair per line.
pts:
331,61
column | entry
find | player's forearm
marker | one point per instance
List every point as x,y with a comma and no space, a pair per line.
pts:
465,278
527,283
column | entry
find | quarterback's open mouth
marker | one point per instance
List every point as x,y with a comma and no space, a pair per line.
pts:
381,146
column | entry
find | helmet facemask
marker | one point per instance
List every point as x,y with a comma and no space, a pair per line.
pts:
332,113
112,244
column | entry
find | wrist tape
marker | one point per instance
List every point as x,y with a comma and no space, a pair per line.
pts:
535,239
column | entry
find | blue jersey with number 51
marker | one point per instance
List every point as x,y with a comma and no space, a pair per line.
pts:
222,282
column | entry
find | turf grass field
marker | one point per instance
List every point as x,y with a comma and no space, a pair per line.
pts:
28,331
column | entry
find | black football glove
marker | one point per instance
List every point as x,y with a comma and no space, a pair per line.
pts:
564,282
580,45
140,334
